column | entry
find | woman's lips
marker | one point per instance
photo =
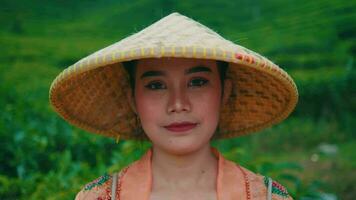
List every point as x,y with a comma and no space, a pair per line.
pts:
180,127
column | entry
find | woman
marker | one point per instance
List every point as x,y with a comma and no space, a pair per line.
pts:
178,84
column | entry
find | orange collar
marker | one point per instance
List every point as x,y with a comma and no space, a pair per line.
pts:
136,183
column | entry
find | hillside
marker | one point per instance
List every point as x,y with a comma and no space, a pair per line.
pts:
314,41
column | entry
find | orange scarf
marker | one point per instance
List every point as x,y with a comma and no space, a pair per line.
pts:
135,182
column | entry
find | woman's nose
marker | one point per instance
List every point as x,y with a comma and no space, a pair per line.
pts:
178,101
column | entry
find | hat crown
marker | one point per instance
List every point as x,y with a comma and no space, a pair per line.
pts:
187,32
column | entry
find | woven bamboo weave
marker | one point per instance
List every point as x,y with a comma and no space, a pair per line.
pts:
91,94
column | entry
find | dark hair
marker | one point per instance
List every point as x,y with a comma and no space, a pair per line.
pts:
130,67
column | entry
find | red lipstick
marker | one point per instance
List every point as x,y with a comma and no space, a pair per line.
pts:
180,127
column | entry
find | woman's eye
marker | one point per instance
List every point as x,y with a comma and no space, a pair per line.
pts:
155,86
198,82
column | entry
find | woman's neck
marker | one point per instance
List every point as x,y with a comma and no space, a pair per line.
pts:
198,169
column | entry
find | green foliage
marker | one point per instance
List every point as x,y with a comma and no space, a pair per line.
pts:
43,157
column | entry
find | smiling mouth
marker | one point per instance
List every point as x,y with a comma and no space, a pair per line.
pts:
180,127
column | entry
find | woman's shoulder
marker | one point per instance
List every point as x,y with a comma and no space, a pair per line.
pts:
99,188
258,185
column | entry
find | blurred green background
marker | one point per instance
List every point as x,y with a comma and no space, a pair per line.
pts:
312,153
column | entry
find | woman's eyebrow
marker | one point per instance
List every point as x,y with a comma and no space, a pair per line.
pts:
199,68
152,73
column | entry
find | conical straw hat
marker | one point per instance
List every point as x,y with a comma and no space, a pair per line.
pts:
91,94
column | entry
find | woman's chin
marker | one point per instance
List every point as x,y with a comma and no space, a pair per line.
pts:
180,144
180,147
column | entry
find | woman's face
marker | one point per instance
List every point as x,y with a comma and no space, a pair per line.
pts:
178,102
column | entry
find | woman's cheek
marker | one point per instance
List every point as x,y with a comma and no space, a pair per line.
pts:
210,98
148,104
